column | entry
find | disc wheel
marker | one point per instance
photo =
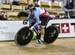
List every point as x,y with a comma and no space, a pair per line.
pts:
23,36
51,34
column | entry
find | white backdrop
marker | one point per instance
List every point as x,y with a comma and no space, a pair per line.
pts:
67,27
8,29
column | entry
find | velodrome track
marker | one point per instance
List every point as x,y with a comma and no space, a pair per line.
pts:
64,46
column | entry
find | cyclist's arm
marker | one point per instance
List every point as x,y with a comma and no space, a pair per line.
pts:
28,18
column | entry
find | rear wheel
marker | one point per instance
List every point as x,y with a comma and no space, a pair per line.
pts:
23,36
51,34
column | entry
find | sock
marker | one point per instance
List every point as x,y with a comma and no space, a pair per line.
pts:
42,36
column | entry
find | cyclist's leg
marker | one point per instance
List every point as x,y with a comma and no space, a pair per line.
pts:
42,31
38,37
44,21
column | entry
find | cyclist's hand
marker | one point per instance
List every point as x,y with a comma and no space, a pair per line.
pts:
24,22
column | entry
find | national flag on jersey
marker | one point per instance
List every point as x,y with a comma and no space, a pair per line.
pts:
65,28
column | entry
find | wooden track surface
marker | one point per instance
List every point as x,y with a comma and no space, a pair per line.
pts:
59,47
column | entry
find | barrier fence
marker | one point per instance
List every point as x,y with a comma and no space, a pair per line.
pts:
8,29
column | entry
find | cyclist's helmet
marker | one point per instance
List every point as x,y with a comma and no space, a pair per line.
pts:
31,7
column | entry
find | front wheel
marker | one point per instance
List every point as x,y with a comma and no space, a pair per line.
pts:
51,34
23,36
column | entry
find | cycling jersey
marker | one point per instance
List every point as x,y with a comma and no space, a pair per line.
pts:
36,14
